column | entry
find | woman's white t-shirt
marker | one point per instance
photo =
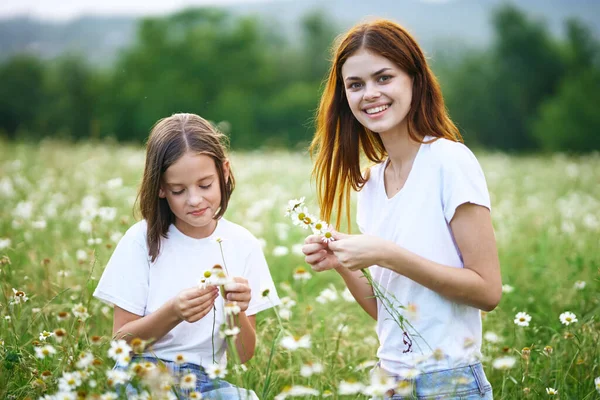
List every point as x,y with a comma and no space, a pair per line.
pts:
135,284
444,334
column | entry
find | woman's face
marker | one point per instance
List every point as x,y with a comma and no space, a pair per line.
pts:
191,187
379,93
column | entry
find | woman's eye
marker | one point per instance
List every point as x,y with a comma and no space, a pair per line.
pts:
354,85
384,78
205,186
177,193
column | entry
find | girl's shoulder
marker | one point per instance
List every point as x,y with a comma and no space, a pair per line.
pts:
137,233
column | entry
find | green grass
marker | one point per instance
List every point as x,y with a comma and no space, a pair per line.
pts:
546,212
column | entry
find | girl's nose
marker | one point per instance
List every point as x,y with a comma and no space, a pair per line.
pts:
371,92
194,198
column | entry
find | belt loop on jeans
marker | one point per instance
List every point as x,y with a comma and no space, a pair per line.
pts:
478,378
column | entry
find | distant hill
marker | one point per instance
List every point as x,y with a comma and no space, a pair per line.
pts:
435,24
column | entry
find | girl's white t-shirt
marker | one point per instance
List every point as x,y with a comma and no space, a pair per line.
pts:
442,333
134,283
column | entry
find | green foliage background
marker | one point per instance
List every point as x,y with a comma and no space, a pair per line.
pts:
527,91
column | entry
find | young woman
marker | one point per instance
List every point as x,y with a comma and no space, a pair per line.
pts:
423,211
153,277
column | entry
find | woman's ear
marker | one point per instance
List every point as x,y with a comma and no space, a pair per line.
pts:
226,170
161,193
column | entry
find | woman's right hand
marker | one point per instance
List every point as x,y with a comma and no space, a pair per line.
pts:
318,255
192,304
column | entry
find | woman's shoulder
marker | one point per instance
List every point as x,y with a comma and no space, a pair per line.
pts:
449,151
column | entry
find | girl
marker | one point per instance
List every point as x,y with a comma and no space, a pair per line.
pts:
423,211
153,277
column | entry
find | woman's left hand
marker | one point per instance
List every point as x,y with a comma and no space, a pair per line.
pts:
238,291
356,251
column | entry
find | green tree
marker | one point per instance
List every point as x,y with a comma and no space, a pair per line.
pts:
21,95
495,95
72,94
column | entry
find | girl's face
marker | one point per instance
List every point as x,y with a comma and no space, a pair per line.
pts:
379,93
191,187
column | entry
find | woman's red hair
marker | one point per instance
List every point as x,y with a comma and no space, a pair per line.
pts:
340,138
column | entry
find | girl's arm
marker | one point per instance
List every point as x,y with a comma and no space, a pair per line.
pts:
321,258
190,305
478,284
245,342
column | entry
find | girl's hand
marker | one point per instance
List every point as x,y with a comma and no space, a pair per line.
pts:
238,291
192,304
356,252
318,255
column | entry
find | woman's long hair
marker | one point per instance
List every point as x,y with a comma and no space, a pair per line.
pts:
169,140
340,138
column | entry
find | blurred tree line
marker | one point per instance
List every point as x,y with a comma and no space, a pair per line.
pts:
527,91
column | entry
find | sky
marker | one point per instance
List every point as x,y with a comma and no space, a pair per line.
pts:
61,10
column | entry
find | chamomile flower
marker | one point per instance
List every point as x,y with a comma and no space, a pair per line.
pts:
116,377
491,337
350,387
45,335
522,319
504,363
230,332
188,381
327,295
310,369
119,351
216,371
597,384
44,351
296,342
293,206
180,359
319,227
327,236
85,360
280,251
347,295
69,381
231,308
19,297
567,318
296,391
80,311
301,274
380,384
551,391
507,288
579,285
4,243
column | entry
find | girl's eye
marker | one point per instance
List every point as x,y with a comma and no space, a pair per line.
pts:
206,186
177,193
384,78
354,85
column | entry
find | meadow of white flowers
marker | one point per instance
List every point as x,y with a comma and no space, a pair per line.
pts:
64,207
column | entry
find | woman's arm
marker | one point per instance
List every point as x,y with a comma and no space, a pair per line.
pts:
321,258
478,284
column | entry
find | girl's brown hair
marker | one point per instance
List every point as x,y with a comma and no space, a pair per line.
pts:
170,139
340,138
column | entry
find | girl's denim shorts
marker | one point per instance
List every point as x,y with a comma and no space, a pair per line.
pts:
463,383
216,389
